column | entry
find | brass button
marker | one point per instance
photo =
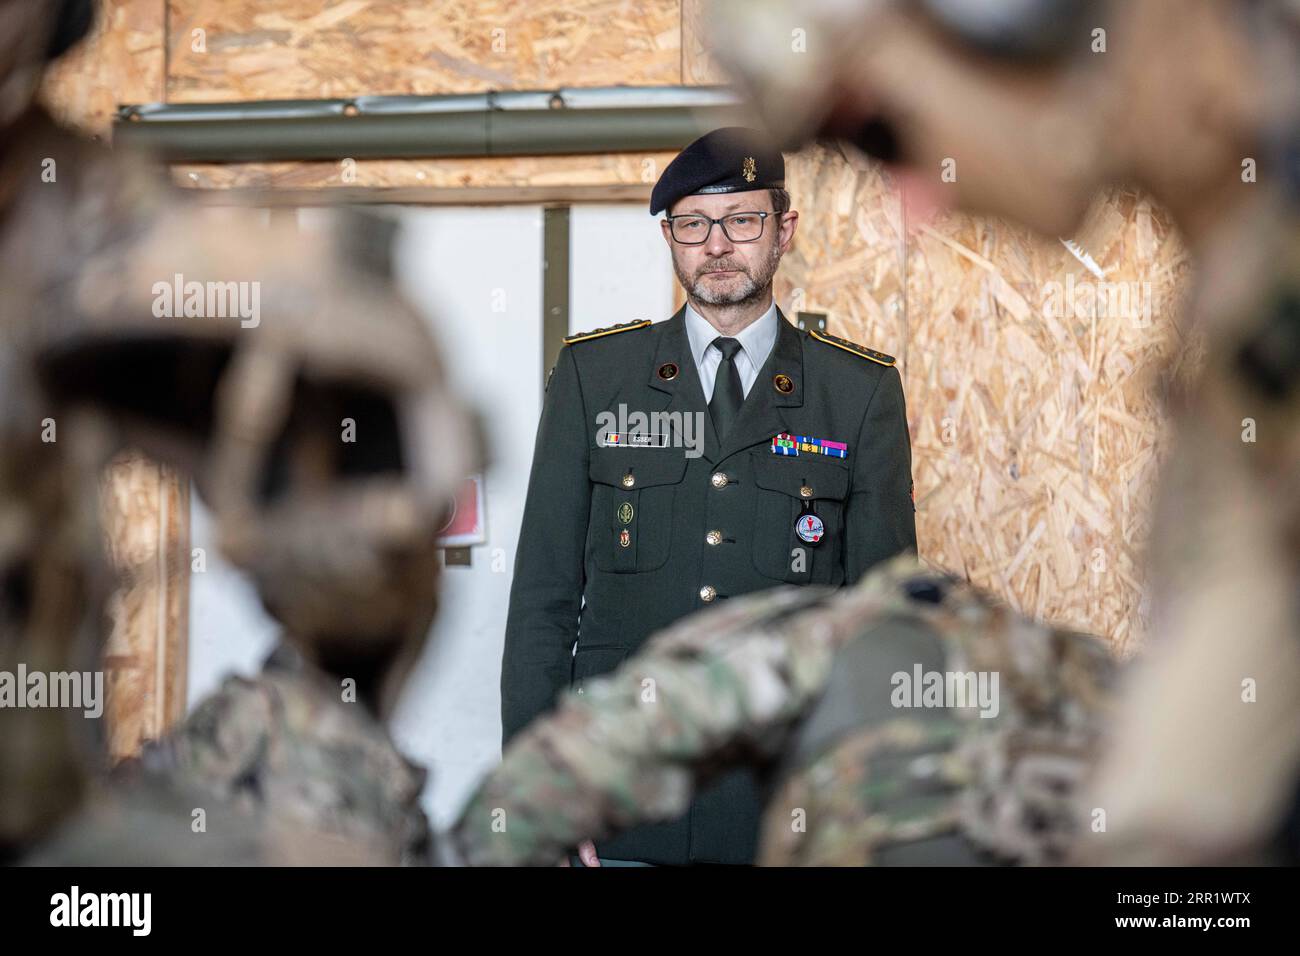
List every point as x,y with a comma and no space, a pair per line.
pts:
708,593
713,537
719,480
628,481
806,492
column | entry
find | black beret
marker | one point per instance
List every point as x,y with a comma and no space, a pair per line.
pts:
728,160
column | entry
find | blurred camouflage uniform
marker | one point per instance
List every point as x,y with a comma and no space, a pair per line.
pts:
1203,755
144,819
802,684
288,739
339,536
1205,760
54,576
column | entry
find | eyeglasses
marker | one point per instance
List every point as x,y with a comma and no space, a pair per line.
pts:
738,227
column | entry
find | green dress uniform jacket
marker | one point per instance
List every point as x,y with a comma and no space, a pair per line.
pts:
619,541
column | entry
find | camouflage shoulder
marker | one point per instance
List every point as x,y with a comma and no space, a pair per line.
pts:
226,732
861,351
602,333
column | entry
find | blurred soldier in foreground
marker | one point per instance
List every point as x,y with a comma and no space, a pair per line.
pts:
330,456
54,577
309,404
835,696
1199,762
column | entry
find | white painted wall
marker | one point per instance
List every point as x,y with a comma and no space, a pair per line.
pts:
620,268
229,631
460,265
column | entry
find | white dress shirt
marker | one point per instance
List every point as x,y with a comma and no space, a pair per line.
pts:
756,341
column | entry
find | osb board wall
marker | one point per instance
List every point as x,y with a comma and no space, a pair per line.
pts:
698,68
308,49
213,50
122,62
1035,417
609,177
847,255
250,50
146,513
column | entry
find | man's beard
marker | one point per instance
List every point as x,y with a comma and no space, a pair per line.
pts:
753,286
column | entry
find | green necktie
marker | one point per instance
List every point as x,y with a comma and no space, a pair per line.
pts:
728,396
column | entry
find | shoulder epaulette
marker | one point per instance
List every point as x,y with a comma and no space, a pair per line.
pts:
597,333
859,350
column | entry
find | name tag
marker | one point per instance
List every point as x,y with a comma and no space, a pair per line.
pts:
634,440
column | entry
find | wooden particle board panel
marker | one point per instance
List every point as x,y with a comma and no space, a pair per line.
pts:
145,511
249,50
613,176
121,62
1033,382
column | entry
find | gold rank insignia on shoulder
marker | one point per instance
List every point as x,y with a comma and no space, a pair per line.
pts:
599,333
859,350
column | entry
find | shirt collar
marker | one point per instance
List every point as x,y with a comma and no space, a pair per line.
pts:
756,339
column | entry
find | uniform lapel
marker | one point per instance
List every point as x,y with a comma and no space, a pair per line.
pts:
686,393
761,416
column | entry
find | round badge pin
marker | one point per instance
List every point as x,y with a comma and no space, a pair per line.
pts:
783,384
625,512
668,371
809,528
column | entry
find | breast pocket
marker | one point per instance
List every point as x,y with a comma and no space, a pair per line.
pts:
788,490
633,490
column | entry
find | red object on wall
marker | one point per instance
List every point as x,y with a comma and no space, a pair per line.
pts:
466,525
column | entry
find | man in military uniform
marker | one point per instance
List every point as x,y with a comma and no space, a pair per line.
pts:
684,463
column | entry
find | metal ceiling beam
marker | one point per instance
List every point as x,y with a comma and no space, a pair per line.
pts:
571,120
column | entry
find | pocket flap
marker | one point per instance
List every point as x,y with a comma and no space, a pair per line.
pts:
789,475
596,660
648,466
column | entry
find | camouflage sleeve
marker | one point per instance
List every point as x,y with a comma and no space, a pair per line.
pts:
957,733
220,745
632,747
